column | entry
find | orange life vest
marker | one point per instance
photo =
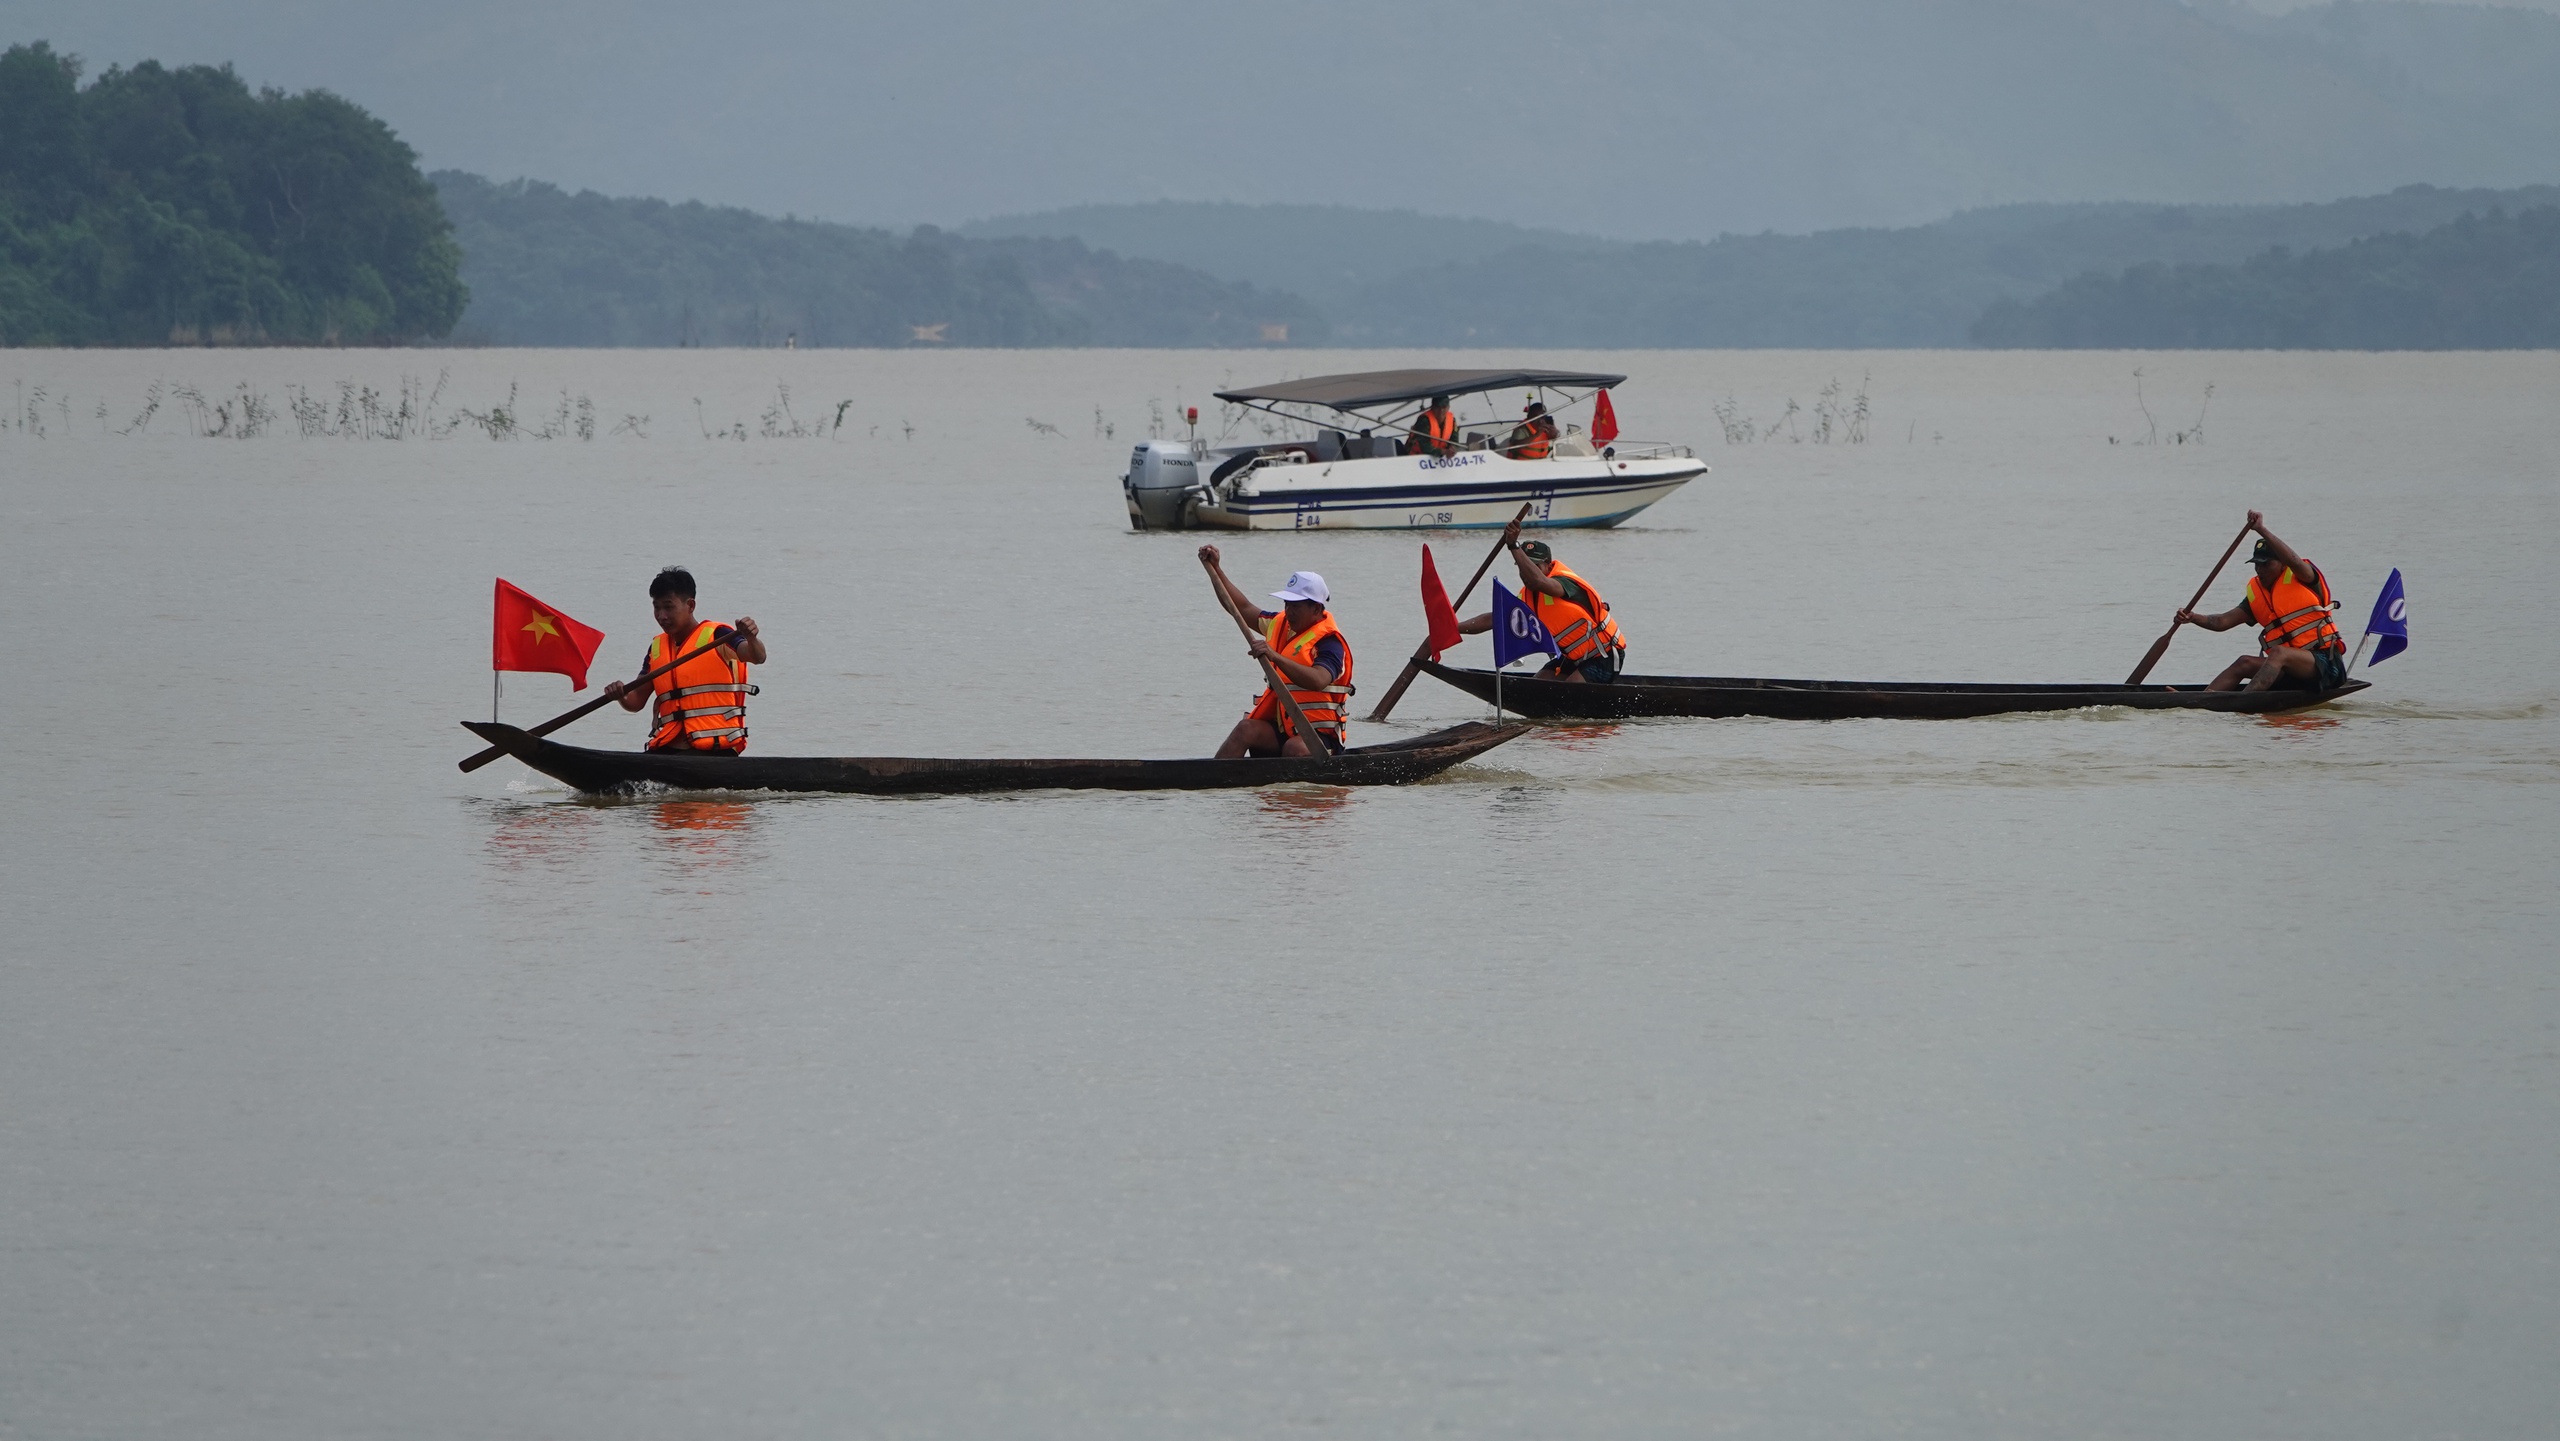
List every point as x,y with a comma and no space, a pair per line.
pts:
702,704
1577,632
1438,433
2296,614
1326,709
1541,441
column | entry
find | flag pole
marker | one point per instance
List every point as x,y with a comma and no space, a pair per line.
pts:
493,695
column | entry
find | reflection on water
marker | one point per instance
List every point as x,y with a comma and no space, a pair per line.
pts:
547,835
1300,810
2300,723
1581,737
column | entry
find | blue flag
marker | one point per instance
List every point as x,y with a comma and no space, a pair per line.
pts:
2390,619
1516,632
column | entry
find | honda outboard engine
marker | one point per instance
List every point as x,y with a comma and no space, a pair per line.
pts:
1163,475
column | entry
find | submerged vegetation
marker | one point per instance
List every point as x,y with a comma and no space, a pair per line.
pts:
178,207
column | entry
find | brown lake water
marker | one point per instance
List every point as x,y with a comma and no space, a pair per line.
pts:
2102,1074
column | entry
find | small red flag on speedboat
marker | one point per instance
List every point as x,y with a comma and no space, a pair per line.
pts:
1604,420
528,635
1437,613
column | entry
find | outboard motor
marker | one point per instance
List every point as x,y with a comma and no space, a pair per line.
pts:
1163,475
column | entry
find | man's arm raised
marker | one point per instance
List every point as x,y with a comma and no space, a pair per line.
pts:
748,642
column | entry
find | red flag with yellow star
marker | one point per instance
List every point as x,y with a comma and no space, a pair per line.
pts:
529,635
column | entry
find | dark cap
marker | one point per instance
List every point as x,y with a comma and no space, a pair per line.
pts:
1536,550
2262,553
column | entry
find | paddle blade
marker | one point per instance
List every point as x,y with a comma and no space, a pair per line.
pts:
2159,648
508,738
1395,692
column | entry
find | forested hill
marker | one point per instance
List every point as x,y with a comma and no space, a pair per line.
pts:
158,207
2483,282
1921,285
550,268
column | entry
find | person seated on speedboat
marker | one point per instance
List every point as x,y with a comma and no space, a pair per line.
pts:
1308,649
1435,431
2299,647
1534,438
1588,645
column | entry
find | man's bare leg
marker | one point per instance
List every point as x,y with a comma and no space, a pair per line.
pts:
1250,737
2287,661
2238,671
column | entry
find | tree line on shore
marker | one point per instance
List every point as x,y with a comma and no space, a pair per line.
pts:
158,206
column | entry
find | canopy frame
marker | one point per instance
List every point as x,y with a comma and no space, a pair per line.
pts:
1416,387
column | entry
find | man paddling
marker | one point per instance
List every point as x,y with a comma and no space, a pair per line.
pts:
2299,647
702,704
1308,649
1588,645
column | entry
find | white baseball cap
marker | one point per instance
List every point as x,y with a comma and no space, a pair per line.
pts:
1303,585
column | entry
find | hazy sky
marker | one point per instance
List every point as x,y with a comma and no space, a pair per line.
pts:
1627,117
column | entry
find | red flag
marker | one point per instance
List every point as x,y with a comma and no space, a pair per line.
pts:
1604,420
528,635
1436,611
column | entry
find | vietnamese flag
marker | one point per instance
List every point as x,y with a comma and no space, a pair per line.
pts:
1604,420
528,635
1437,613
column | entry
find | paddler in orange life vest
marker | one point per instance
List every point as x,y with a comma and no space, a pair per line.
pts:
2299,647
1309,650
701,705
1589,647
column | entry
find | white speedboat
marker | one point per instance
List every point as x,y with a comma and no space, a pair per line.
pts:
1343,458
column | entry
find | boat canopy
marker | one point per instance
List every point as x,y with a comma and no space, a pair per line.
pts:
1388,387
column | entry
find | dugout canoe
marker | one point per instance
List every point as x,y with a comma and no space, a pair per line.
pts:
1709,695
1392,763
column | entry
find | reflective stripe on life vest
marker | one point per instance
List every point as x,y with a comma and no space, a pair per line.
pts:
701,704
2295,615
1327,709
1577,632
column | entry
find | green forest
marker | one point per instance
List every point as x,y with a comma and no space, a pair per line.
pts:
2482,282
547,267
179,207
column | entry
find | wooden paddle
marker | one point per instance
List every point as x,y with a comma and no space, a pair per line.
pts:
553,724
2160,647
1421,652
1279,682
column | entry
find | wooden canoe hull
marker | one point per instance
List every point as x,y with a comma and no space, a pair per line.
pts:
1394,763
1668,695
